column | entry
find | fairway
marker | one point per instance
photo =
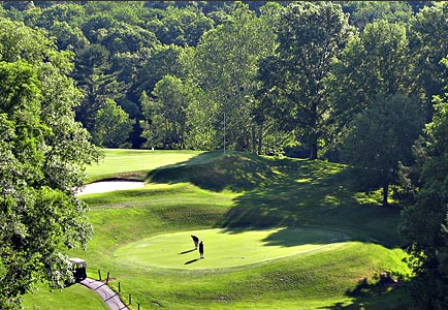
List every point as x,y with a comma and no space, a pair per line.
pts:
133,164
228,248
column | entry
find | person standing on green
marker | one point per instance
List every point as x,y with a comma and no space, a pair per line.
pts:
201,249
195,240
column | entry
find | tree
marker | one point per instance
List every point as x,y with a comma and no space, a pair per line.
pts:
428,49
381,137
225,68
123,38
96,82
167,114
425,223
68,38
182,26
164,60
72,14
364,12
43,152
310,36
372,65
112,126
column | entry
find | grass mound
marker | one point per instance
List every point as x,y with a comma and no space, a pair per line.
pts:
213,171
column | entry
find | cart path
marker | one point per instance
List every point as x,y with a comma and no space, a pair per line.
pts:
111,298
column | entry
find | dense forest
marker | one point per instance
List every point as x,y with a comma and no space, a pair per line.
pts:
357,82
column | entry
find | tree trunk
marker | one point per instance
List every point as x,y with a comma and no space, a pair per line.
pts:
260,139
314,145
385,194
313,151
254,140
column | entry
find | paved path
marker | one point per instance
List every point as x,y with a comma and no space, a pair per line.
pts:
111,298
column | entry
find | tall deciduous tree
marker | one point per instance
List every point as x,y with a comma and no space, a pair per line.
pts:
382,136
425,223
167,114
375,64
226,68
42,155
112,126
364,12
164,60
96,82
429,48
310,36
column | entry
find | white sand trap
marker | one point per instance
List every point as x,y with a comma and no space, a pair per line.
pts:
109,186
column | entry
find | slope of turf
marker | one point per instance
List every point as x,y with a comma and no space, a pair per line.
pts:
210,193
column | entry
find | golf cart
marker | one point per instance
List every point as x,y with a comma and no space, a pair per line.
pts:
79,268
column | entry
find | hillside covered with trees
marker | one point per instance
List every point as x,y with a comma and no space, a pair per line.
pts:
355,82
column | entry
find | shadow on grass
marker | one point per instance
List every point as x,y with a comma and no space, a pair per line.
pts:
192,261
284,192
385,293
290,236
188,251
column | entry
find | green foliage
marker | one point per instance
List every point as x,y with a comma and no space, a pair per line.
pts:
95,81
68,38
43,152
216,47
381,137
181,26
112,126
127,38
364,12
225,68
425,223
309,37
71,14
164,60
428,49
372,65
166,114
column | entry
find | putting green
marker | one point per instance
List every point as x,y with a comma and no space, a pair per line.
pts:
227,248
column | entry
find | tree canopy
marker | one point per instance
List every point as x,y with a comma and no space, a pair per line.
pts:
42,155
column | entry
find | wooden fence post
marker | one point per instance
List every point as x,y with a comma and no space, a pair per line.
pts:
99,274
108,274
119,287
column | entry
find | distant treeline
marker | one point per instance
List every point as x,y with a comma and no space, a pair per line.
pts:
151,78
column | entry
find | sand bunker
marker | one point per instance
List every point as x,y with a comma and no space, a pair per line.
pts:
109,186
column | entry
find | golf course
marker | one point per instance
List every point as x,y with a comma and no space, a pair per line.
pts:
278,233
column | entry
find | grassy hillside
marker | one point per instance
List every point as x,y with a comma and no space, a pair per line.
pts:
296,209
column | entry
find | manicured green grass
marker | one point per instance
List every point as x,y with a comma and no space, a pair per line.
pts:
283,206
226,248
75,297
133,164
